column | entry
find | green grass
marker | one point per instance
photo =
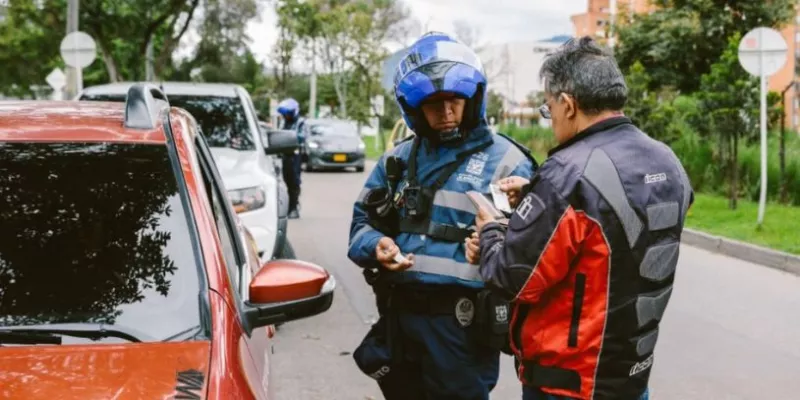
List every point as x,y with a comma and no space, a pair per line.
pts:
779,231
371,151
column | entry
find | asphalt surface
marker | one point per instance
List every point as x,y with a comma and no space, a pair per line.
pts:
731,330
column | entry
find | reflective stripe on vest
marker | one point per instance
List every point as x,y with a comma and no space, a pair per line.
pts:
446,266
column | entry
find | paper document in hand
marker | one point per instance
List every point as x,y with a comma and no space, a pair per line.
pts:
398,258
480,201
500,199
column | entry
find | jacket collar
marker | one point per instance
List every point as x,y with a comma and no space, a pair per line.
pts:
448,152
601,126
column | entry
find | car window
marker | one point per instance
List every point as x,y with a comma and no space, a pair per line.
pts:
226,239
95,233
222,120
225,228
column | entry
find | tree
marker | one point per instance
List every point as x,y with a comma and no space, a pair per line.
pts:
495,66
680,41
348,37
729,98
31,35
494,106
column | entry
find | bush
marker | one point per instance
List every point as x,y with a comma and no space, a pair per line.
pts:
701,159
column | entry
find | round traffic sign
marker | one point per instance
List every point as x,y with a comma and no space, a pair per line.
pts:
762,41
78,49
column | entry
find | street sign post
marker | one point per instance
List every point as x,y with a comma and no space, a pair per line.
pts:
79,51
57,80
762,52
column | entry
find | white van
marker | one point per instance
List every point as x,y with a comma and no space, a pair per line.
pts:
250,170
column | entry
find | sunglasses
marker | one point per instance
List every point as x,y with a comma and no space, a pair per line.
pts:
544,110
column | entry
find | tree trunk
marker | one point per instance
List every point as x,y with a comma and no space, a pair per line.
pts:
340,86
111,65
782,152
734,166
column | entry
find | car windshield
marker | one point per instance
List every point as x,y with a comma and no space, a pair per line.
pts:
95,234
334,129
222,120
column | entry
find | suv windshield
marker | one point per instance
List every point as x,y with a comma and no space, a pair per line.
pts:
95,233
222,120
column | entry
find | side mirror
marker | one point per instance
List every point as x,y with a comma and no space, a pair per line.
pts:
282,142
287,290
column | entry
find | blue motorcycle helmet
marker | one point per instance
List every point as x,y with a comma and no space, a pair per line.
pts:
438,63
289,109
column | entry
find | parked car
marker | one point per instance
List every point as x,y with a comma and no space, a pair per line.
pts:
227,118
332,144
400,132
124,271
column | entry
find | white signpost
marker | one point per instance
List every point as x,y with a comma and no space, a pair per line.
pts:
762,52
79,51
57,80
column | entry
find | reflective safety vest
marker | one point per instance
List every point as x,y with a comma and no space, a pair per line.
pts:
439,259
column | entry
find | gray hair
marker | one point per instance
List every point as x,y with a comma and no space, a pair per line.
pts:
584,70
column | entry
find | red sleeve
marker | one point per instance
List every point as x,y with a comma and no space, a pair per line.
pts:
544,237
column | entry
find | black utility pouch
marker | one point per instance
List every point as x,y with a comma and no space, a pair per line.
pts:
492,319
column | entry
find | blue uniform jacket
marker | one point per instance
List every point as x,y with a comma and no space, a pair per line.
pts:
438,261
297,126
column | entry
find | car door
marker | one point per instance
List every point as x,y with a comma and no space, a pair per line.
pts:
242,264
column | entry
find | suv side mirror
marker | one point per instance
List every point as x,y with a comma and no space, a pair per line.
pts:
287,290
282,142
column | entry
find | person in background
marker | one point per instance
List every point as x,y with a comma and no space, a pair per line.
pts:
590,253
410,226
289,109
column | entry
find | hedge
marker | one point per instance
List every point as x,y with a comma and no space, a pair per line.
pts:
702,162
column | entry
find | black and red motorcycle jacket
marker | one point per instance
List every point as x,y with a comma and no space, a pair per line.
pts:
589,259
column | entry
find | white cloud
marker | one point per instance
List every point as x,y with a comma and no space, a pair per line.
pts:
498,21
501,21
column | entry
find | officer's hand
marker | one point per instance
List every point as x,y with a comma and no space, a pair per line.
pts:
512,186
473,249
483,218
385,253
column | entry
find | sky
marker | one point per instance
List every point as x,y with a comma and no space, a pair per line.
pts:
498,21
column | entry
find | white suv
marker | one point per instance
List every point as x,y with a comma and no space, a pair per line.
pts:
248,166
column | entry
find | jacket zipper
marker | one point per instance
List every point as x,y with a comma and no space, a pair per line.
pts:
577,305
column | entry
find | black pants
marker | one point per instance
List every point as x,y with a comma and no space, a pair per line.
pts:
292,168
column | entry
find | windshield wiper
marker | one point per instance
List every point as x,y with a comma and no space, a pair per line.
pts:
28,337
52,333
190,333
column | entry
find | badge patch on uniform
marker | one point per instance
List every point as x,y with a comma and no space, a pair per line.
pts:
476,165
465,311
528,211
501,313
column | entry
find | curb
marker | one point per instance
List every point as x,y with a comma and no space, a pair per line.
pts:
743,251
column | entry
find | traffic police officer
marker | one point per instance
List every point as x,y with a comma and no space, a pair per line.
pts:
589,256
410,225
289,109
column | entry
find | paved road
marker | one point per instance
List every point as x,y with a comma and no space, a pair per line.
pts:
732,330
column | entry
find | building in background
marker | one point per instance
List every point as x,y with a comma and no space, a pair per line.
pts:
595,22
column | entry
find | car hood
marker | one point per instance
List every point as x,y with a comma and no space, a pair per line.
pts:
337,143
236,167
130,371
